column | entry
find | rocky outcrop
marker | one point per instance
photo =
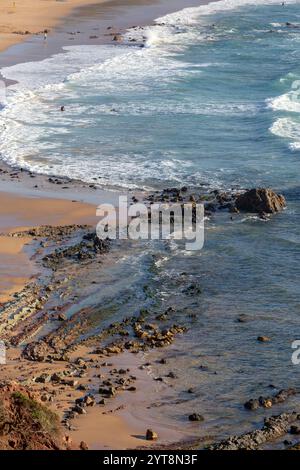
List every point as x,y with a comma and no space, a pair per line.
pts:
260,200
86,249
257,200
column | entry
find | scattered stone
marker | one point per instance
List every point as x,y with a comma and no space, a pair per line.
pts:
263,339
260,200
107,391
61,317
196,417
295,429
273,428
83,445
44,378
172,375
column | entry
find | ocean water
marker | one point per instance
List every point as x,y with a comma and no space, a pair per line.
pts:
211,99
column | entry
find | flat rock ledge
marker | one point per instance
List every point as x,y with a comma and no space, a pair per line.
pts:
273,428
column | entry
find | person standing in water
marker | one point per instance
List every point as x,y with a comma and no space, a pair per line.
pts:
45,35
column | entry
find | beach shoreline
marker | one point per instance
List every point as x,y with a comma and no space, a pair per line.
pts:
29,200
61,287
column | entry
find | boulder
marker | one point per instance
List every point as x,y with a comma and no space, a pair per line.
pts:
107,391
196,417
151,435
260,200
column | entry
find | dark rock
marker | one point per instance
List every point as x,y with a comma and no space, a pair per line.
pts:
83,445
273,428
196,417
263,339
252,404
107,391
62,317
260,200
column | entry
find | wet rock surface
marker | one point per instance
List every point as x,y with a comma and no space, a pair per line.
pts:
25,422
39,320
268,402
273,428
260,201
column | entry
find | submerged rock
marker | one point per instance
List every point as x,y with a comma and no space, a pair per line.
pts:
273,428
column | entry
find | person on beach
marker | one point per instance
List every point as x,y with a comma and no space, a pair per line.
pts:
45,35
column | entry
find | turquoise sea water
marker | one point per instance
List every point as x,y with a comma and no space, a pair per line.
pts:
211,99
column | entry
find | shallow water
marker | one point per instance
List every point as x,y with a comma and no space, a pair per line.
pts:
212,99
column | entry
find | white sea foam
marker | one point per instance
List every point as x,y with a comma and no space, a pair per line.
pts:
288,129
31,116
